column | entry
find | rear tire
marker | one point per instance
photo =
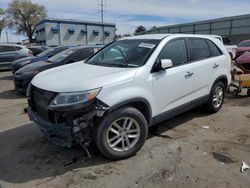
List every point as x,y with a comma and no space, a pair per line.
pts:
216,97
121,134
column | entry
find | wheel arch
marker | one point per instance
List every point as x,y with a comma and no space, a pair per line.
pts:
140,104
222,79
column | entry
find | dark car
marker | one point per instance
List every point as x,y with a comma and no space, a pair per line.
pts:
16,65
37,49
12,52
244,62
243,47
23,77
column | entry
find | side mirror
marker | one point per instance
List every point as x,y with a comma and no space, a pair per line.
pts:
166,63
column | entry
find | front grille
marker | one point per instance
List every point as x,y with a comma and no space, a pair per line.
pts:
40,100
246,66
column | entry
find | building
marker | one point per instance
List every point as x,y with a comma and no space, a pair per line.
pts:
53,32
235,28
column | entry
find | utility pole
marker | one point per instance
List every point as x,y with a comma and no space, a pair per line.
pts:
102,9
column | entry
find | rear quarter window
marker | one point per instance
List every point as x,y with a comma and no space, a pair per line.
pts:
214,50
198,49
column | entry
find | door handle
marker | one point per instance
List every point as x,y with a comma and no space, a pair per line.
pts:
189,74
215,66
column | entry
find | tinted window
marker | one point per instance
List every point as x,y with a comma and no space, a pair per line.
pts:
176,51
214,50
46,52
56,51
198,49
81,55
8,48
62,56
244,44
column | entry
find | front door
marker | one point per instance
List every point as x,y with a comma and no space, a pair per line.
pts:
173,87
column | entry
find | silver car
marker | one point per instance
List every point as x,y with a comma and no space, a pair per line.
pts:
12,52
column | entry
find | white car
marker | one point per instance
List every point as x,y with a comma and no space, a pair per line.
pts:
114,96
231,48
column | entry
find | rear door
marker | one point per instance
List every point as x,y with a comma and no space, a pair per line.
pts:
173,87
202,56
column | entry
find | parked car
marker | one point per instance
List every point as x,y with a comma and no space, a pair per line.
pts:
230,46
37,49
24,75
12,52
243,62
243,47
16,65
114,96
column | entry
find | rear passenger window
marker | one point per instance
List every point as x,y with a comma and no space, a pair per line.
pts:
198,49
8,48
214,50
176,51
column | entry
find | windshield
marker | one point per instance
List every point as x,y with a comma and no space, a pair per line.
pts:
244,44
46,52
125,53
61,56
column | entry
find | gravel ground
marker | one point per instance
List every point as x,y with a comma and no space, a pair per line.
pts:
194,149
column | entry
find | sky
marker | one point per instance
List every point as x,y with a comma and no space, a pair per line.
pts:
129,14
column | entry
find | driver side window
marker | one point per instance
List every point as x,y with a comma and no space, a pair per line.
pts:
176,51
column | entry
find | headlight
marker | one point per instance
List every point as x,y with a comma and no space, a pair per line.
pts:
74,98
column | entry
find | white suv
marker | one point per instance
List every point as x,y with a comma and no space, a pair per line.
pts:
133,83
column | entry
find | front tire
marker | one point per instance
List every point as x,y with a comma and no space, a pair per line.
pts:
216,98
122,133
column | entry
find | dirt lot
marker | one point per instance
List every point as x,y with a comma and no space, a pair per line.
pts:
181,153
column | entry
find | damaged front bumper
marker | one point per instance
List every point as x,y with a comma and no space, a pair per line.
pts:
74,130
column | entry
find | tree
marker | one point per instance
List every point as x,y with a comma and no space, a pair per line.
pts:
3,20
25,15
139,29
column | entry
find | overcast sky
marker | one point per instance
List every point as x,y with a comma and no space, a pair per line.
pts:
127,15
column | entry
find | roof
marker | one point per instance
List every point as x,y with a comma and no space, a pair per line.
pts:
148,36
73,21
87,46
162,36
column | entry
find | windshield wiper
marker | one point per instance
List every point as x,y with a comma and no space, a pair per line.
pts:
124,57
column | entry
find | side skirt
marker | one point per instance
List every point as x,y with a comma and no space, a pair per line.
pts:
178,110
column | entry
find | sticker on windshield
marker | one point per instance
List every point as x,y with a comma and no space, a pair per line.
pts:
147,45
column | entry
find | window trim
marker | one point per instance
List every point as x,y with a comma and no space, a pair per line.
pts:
179,38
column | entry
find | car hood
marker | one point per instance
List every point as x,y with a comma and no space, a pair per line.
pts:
33,67
81,76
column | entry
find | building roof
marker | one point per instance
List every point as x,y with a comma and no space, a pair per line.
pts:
203,22
73,21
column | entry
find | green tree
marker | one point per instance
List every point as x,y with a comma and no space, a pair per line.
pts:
25,15
3,20
139,29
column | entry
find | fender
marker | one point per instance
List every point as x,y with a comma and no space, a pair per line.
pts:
136,102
